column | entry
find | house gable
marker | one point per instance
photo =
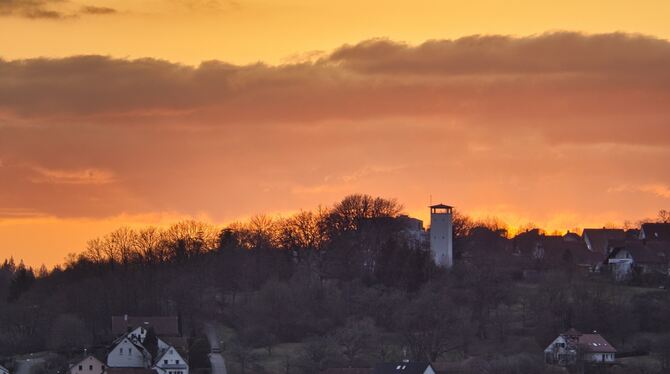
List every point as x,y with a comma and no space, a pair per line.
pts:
89,365
129,354
171,362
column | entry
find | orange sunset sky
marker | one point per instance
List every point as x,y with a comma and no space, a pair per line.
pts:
134,112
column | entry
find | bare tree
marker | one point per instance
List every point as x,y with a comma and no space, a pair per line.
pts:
355,338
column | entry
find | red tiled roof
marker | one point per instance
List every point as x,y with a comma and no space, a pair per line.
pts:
595,343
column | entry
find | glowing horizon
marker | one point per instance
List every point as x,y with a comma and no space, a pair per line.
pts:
145,113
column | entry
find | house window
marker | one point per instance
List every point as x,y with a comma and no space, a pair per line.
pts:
165,362
176,362
90,367
80,368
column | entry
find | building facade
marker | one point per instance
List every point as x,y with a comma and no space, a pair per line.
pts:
573,347
441,235
89,365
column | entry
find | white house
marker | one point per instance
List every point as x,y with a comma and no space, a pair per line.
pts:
3,370
573,346
639,256
404,367
128,353
171,362
89,365
140,334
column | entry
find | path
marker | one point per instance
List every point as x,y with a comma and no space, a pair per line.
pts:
215,357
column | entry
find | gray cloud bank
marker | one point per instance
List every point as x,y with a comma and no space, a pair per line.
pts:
571,76
548,121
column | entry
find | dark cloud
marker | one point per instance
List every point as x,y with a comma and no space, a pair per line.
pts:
48,9
552,53
566,86
97,10
30,9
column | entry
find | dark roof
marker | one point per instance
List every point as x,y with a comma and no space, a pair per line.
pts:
348,371
656,231
179,342
649,252
599,238
558,250
588,342
401,367
441,206
595,343
167,326
572,237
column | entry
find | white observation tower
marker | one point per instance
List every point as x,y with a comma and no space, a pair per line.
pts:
441,235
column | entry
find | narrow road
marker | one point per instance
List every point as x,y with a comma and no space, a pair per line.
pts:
215,357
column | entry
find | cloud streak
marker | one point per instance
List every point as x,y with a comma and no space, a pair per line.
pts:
49,9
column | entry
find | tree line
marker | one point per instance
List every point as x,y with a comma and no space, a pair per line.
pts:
342,283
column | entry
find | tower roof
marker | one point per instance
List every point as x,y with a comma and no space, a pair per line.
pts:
441,206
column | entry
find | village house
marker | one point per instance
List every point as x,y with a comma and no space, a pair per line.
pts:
556,251
655,231
597,239
543,252
404,367
171,362
132,350
639,256
573,347
128,353
88,365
